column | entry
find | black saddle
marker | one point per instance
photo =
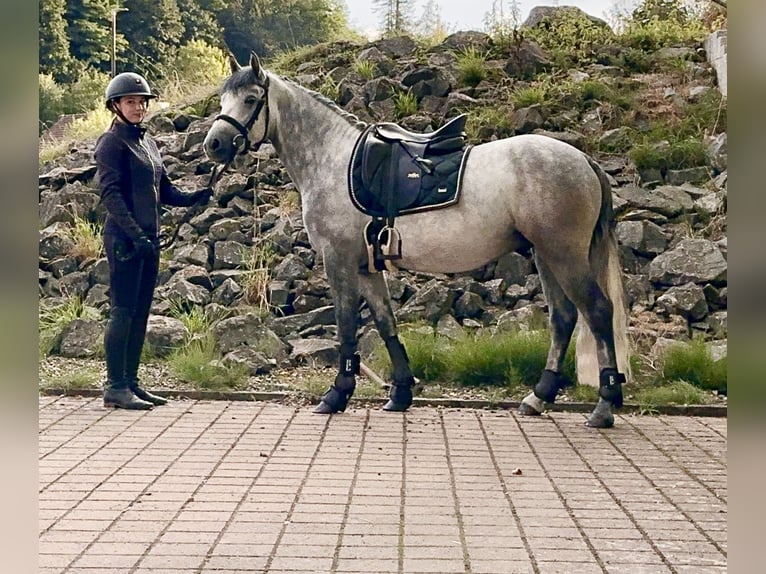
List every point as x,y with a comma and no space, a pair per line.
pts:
394,171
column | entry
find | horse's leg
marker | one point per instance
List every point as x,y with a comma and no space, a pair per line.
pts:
562,318
375,292
345,285
597,311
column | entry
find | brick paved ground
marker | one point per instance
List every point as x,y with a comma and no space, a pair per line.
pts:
235,487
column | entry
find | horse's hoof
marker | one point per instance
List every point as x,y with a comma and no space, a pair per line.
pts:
527,410
600,421
334,401
396,407
400,397
324,409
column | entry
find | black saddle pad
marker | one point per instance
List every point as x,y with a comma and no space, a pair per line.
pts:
416,186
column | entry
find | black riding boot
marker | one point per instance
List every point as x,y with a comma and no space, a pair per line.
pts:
145,395
117,393
133,358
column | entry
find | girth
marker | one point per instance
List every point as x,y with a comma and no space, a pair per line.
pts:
396,172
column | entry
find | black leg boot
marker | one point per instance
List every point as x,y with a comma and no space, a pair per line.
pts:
335,400
145,395
117,393
132,360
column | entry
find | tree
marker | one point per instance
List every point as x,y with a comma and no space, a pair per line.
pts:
200,20
89,30
395,16
431,23
268,26
153,31
54,56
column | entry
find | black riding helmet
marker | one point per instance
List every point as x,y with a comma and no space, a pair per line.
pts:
127,84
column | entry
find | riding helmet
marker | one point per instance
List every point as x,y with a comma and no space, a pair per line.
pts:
127,84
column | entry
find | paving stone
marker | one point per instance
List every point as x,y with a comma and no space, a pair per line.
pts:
230,487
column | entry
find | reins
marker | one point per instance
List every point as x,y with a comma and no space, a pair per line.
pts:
167,241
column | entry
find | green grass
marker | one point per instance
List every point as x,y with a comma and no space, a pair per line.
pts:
366,69
405,104
693,363
681,393
528,96
87,239
77,379
471,66
198,363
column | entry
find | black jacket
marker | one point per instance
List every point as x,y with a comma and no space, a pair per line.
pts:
134,182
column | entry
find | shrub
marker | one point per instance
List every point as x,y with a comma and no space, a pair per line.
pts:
87,92
196,69
571,38
50,102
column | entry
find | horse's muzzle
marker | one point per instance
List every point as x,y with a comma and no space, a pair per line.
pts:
221,149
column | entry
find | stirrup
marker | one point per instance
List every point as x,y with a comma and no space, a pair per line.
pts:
392,248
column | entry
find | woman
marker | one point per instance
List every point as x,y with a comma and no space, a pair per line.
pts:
133,183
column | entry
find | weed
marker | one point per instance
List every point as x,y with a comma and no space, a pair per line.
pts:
528,96
366,69
428,354
405,104
471,66
77,379
198,362
86,239
675,393
257,276
329,88
583,393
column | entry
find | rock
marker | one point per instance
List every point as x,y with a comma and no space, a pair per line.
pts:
692,260
165,334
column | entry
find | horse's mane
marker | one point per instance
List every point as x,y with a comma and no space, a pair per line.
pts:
322,99
245,77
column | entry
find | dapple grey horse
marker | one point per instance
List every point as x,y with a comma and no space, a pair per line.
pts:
526,190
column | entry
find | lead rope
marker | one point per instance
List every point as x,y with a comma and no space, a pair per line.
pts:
166,241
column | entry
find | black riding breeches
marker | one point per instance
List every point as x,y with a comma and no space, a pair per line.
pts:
131,288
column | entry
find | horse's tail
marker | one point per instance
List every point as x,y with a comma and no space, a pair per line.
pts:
605,262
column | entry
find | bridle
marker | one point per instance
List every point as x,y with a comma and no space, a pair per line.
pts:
242,140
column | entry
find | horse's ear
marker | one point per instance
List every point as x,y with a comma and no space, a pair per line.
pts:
255,64
233,63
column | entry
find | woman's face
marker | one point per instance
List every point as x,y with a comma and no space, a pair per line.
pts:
133,108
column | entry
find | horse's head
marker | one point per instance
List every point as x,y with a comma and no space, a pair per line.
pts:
243,121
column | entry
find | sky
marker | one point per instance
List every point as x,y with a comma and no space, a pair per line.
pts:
469,14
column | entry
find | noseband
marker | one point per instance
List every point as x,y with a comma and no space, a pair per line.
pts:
244,129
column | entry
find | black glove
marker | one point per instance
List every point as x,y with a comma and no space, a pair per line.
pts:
145,247
203,195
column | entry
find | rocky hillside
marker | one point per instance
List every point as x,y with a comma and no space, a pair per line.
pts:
246,257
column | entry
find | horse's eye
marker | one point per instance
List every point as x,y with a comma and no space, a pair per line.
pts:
250,100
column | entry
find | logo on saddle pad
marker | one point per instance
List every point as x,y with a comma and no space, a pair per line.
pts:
395,172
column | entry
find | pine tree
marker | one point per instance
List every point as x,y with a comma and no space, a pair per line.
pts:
54,56
153,30
89,30
395,16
